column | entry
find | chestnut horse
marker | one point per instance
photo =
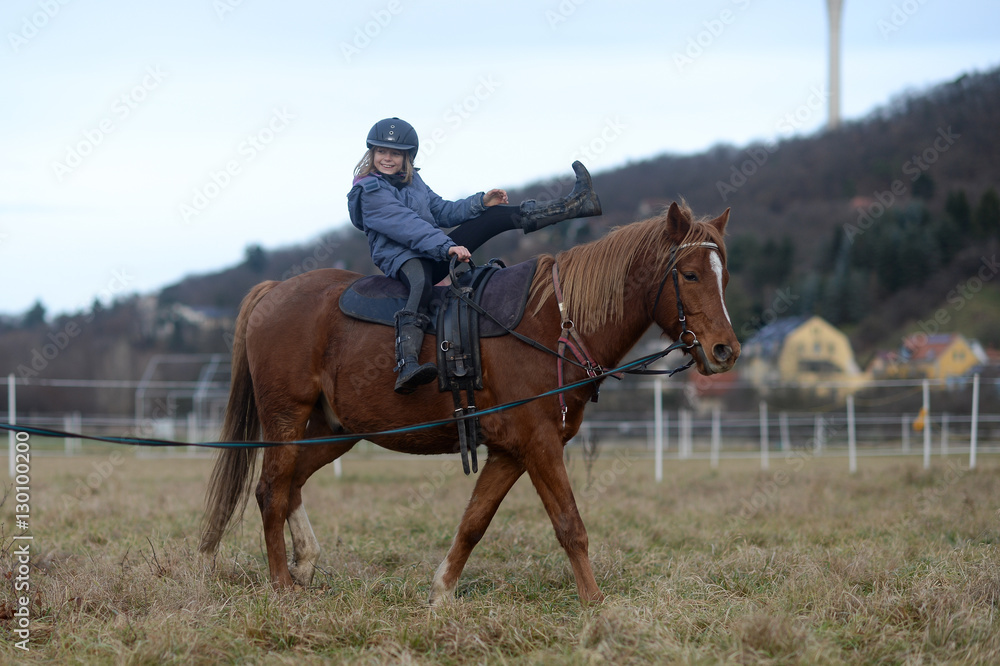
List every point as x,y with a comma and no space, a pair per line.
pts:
301,369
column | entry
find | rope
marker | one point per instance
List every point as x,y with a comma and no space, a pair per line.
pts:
142,441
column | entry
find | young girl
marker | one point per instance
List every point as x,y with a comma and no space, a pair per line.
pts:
402,218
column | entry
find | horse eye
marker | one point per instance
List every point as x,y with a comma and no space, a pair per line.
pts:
691,277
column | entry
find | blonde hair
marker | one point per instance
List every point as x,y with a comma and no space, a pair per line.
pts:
366,165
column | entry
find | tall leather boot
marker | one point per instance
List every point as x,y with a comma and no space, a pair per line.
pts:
581,202
409,338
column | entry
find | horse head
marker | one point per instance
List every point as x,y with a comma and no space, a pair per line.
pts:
690,303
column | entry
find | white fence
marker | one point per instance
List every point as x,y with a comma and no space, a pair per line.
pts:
682,433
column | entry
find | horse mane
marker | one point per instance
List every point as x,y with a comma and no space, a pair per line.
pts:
593,276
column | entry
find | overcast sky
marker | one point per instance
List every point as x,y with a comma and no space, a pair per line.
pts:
141,142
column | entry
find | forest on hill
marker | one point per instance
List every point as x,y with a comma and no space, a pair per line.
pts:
879,226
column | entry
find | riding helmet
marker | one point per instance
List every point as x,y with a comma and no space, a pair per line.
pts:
394,133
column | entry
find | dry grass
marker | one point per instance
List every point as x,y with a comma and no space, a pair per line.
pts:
803,564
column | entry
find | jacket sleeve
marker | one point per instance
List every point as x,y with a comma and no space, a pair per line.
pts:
384,214
452,213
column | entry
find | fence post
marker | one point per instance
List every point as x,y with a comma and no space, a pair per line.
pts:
927,424
819,434
658,428
906,424
975,421
683,434
12,419
688,434
764,453
944,435
786,441
72,422
191,431
716,435
852,439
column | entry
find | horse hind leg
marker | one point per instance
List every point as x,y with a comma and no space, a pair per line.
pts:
272,494
311,457
280,423
305,546
495,481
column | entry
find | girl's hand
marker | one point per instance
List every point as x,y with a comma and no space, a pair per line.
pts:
461,252
495,197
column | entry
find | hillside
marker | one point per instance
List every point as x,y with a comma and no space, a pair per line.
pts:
877,226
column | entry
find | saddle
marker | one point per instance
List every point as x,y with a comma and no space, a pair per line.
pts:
498,291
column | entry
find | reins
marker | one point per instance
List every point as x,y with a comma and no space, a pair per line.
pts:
569,338
141,441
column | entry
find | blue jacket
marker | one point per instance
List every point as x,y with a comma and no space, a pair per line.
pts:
402,223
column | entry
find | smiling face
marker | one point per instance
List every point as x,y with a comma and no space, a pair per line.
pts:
388,161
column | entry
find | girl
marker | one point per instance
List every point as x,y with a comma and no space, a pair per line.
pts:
402,218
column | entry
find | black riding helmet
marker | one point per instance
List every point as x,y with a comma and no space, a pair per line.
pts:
394,133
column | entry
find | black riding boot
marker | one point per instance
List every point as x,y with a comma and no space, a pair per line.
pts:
581,202
409,337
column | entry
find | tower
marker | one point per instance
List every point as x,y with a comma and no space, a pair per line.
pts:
833,8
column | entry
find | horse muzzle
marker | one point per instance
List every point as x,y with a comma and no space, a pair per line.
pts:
722,360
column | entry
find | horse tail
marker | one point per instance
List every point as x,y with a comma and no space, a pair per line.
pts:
232,476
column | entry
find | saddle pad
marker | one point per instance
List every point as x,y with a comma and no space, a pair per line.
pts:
377,298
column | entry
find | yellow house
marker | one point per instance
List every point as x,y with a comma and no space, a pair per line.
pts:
803,351
940,356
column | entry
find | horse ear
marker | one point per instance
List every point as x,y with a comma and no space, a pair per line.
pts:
678,224
721,221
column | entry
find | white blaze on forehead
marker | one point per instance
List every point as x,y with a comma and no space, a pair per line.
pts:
716,263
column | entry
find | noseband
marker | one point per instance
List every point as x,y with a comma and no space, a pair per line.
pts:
672,271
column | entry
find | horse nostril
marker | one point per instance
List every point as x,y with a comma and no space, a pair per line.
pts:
722,352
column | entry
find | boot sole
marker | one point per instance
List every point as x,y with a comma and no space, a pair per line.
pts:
420,377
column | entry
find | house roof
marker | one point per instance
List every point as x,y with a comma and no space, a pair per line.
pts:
767,342
919,347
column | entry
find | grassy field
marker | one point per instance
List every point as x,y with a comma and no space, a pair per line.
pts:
801,564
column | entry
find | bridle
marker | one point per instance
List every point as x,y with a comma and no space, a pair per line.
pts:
570,339
694,343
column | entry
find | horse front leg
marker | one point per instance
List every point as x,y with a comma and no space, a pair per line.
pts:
495,481
547,472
